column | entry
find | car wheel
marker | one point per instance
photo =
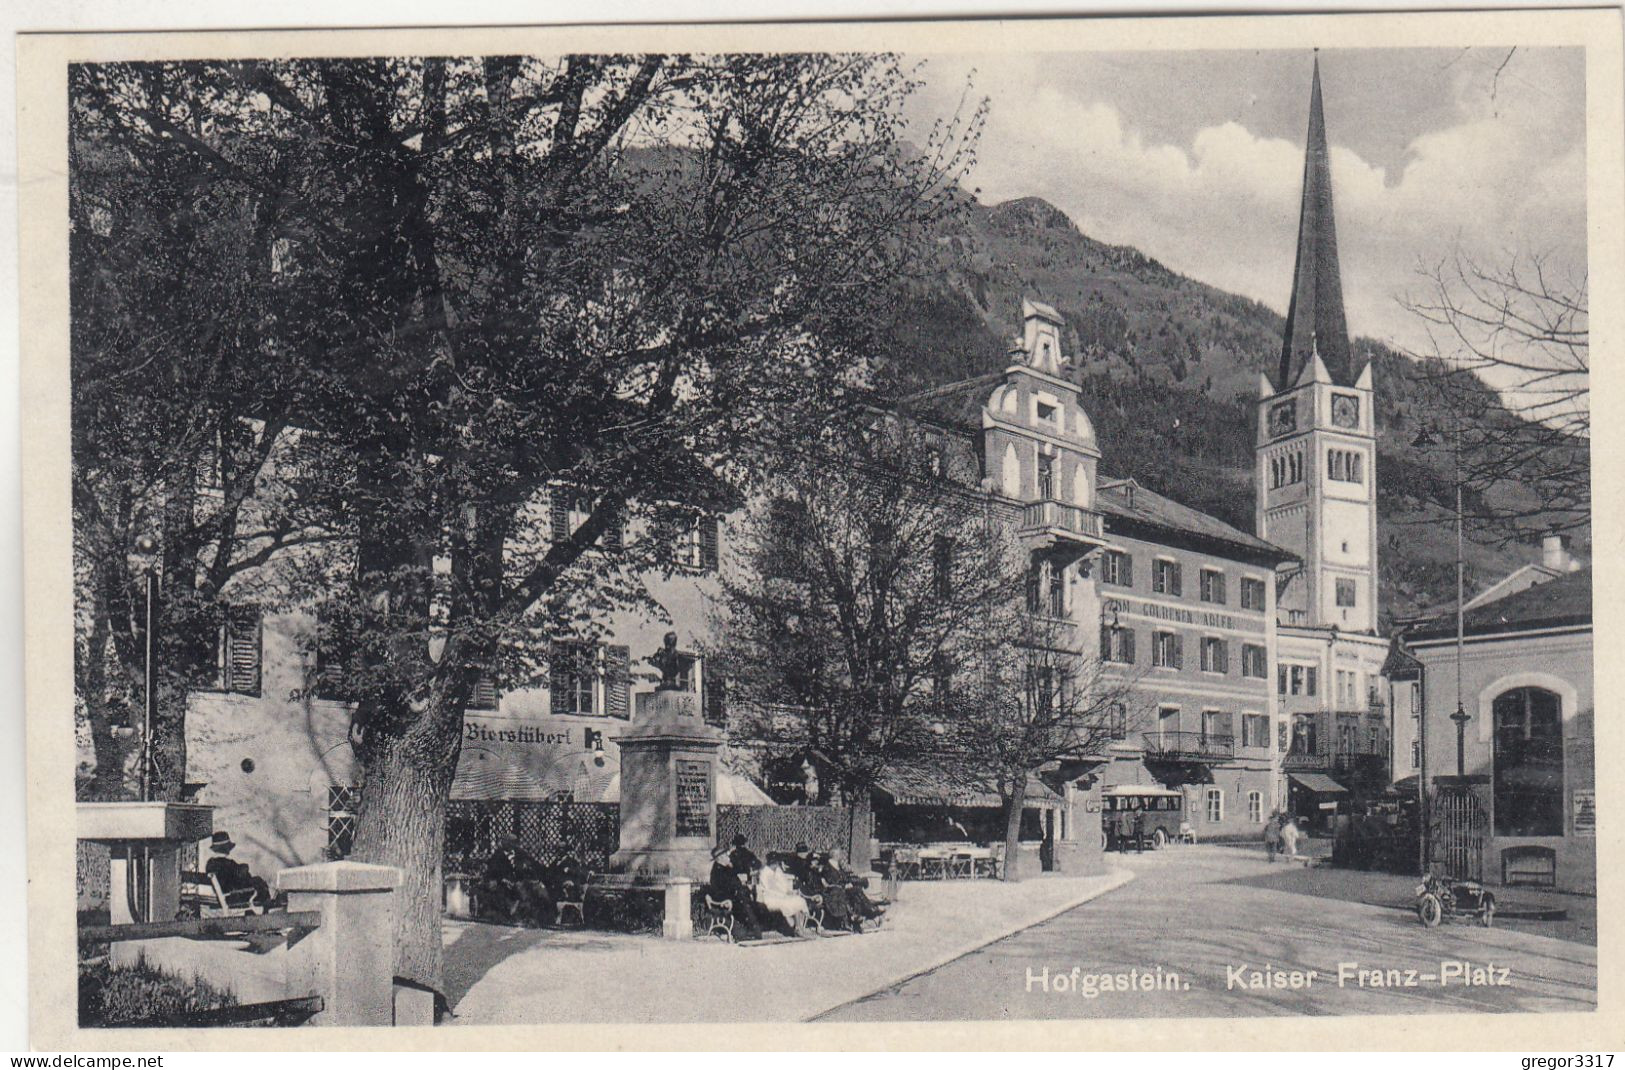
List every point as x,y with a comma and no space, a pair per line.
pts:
1430,911
1159,839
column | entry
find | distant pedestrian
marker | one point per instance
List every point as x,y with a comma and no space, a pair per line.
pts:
1139,832
1289,839
1272,835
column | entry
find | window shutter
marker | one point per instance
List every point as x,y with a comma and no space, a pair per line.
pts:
559,505
1127,570
1179,651
241,650
710,556
1224,656
1218,589
716,700
618,682
615,535
1128,646
484,696
1105,642
1174,572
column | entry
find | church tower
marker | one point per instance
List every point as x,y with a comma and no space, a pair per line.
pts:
1316,448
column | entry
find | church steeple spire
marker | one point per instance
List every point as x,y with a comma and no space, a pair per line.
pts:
1314,318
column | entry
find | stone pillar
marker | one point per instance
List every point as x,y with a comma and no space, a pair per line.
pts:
350,959
668,790
678,923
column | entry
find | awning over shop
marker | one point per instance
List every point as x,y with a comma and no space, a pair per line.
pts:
933,787
1319,783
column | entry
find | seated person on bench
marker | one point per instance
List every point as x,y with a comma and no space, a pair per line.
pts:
725,885
514,884
233,875
849,886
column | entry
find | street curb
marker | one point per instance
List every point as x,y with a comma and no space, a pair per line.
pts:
1116,879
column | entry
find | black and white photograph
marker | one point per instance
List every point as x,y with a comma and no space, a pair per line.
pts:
1049,521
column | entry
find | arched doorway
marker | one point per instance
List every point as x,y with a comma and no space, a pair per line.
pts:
1528,770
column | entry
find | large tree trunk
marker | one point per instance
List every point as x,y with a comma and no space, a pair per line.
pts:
408,759
1014,800
858,830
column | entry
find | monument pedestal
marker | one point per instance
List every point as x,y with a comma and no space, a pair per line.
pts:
668,791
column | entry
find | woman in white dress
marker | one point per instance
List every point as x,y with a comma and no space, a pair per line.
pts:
776,891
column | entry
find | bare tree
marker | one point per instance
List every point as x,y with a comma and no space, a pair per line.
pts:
1041,704
864,585
1509,368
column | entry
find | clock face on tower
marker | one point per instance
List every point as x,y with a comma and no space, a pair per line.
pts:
1283,419
1345,410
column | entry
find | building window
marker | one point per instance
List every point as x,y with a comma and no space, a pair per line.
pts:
1311,681
1218,728
1280,679
1416,754
1254,661
1117,720
1046,590
1255,730
1212,586
1048,413
1252,593
1117,568
1046,477
238,648
1304,731
1345,592
1167,650
1165,578
573,679
1294,472
1215,655
1528,763
1345,466
1255,807
1117,644
1215,805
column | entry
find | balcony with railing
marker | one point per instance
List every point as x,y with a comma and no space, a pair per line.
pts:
1189,746
1332,754
1051,526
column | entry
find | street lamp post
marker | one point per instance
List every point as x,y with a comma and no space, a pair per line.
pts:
1424,439
148,546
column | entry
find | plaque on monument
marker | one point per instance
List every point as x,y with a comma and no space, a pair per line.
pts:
693,798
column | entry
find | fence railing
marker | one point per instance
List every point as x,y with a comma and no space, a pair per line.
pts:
780,828
546,830
1189,746
1051,514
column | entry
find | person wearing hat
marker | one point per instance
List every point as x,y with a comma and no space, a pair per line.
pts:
724,885
800,865
742,858
233,875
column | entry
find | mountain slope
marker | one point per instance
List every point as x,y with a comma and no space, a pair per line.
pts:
1169,369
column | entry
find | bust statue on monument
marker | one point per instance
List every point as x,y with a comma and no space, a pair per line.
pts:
669,662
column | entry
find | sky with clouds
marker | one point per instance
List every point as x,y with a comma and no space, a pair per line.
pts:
1196,158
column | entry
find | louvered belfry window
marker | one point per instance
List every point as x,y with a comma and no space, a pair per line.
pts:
240,635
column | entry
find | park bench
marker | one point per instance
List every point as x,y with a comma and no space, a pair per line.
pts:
201,892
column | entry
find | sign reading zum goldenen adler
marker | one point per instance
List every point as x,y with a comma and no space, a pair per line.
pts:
693,798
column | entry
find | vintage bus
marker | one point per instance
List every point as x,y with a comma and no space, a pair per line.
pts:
1162,808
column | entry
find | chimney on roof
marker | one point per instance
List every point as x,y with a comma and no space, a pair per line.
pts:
1554,553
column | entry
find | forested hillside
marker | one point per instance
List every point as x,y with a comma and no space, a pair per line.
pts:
1169,368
